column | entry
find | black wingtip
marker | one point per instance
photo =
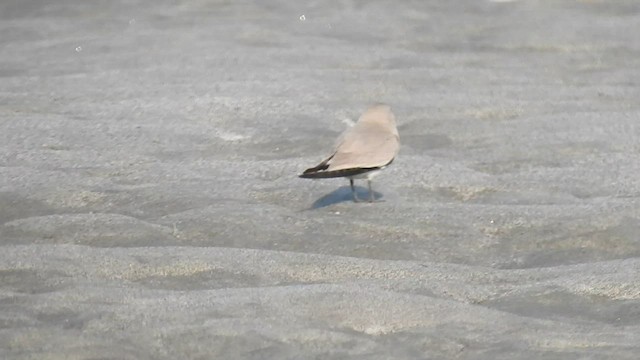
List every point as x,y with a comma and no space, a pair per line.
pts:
319,172
313,174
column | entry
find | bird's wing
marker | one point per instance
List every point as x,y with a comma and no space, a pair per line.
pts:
364,146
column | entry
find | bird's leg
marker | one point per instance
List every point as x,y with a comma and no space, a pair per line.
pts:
371,196
353,191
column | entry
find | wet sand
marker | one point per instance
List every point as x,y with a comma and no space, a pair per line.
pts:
150,206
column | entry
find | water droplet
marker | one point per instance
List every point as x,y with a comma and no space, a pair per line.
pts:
302,17
79,48
132,21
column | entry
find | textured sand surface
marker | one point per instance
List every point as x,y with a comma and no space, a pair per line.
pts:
150,206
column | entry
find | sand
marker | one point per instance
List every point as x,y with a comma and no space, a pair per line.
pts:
150,206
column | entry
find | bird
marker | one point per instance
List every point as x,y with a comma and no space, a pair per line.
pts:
362,151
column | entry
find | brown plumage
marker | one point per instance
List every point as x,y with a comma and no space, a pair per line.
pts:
362,150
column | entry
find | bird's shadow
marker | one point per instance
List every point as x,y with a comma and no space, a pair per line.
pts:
343,194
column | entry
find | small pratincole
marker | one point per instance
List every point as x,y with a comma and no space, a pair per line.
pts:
362,150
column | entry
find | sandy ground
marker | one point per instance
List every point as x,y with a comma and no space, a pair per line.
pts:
150,209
